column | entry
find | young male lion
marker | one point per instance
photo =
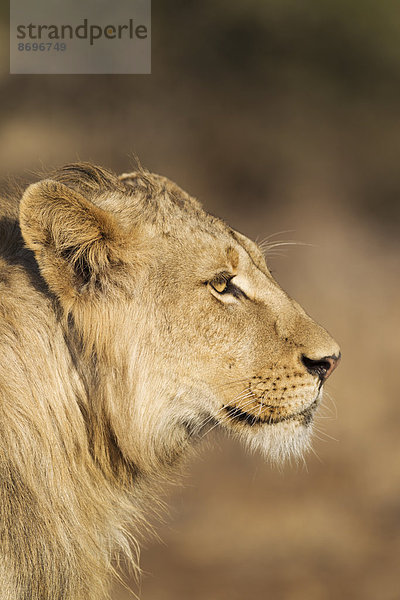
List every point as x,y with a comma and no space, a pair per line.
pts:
130,321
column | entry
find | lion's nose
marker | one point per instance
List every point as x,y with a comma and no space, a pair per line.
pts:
323,367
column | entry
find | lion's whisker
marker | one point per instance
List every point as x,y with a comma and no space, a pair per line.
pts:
330,437
272,235
316,454
333,403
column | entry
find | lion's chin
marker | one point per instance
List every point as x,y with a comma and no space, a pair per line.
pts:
279,439
279,442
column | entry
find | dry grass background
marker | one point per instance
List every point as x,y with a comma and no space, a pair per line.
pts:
278,117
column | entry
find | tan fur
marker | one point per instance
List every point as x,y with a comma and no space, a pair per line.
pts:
116,352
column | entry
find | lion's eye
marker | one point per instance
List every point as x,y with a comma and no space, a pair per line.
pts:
220,284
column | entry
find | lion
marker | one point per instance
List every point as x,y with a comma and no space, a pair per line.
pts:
131,322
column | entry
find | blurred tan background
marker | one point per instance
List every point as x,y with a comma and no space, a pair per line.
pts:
280,116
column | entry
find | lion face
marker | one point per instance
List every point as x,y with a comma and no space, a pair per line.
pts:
181,311
252,360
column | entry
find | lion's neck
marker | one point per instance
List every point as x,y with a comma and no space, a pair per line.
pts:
64,480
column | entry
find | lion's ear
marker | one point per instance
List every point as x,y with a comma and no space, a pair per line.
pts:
74,241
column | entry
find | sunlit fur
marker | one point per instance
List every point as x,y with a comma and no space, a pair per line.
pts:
117,354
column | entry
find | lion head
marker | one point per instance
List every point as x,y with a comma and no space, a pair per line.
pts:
176,319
